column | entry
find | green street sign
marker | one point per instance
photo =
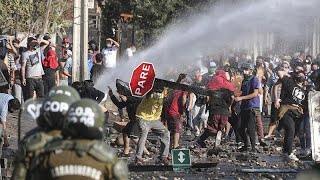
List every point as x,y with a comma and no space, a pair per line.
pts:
181,160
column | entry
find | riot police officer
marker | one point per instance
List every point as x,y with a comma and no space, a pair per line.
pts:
82,154
50,122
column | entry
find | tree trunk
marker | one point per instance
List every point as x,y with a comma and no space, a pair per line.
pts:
46,17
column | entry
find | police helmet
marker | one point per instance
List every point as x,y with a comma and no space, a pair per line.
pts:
66,90
53,111
85,120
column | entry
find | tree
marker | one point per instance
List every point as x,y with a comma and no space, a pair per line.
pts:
30,16
155,15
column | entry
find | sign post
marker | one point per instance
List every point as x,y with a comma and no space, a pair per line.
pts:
181,160
314,112
142,79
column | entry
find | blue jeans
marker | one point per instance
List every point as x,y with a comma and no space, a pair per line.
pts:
305,134
159,130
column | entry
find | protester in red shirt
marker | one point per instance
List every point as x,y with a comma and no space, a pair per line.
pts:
220,100
174,112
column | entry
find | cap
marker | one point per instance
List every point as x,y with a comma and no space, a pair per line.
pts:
213,64
307,61
46,37
65,40
68,52
31,39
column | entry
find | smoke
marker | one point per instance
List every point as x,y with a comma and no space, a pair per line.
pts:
216,29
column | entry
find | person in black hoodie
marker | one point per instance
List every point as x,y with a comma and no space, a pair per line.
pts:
86,90
131,130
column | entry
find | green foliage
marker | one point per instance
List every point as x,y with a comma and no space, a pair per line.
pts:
28,16
151,16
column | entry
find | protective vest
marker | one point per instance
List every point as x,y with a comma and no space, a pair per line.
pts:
78,160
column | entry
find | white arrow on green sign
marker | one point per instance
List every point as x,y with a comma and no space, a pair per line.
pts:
181,157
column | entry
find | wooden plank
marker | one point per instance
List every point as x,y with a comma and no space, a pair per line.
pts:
268,171
152,167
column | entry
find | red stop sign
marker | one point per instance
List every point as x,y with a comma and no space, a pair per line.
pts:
142,79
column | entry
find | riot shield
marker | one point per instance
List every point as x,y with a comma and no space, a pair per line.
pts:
29,112
314,112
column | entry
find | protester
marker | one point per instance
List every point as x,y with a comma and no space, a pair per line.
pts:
86,90
250,104
220,100
175,111
131,130
7,104
31,70
66,68
291,109
50,66
148,114
130,51
110,53
97,69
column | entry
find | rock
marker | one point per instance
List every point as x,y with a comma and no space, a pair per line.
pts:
222,174
162,177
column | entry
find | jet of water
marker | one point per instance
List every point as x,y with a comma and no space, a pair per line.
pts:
216,29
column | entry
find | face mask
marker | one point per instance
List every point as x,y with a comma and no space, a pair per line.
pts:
157,95
300,79
286,69
133,51
35,46
246,72
308,67
109,45
212,70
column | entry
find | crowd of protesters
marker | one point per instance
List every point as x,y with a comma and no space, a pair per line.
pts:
240,93
33,70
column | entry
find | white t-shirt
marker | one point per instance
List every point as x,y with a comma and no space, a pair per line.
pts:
34,65
110,57
129,53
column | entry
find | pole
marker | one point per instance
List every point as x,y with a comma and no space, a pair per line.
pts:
76,39
84,41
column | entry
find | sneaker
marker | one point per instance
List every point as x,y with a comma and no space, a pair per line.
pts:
197,131
147,156
201,143
218,139
267,137
262,143
188,132
138,161
290,157
162,161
